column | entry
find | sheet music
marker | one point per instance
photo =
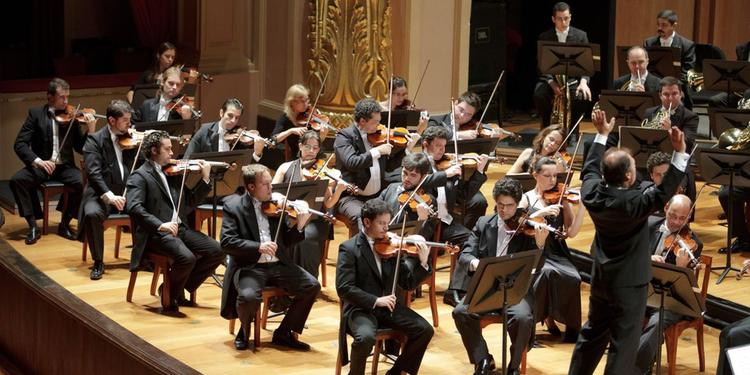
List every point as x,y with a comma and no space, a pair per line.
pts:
739,358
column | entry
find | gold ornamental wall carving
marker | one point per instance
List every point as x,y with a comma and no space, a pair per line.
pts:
352,39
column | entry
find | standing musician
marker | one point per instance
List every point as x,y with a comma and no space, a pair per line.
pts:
546,143
448,186
400,101
107,169
291,123
492,237
154,202
639,79
557,290
45,146
307,252
666,22
548,86
158,108
660,229
258,259
621,265
163,59
364,283
216,136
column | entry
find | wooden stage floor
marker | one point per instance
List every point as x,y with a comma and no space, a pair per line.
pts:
200,337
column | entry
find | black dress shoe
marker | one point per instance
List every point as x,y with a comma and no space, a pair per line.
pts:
485,366
172,306
97,271
33,235
65,232
288,339
571,336
182,301
240,341
737,246
552,327
451,297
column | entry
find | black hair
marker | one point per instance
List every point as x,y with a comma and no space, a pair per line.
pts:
560,7
508,186
234,102
117,108
656,159
471,99
669,81
55,84
151,140
668,15
374,208
252,171
364,109
435,132
417,162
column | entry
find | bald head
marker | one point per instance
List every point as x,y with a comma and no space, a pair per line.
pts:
618,167
677,211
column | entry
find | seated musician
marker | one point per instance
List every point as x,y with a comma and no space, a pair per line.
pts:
732,336
306,253
463,111
663,229
557,290
364,283
448,187
163,59
414,169
107,169
546,143
666,22
491,237
400,101
45,146
741,198
223,135
639,79
169,103
291,124
258,259
158,211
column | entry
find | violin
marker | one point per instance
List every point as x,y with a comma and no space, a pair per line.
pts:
246,137
133,138
178,101
65,116
390,246
566,157
316,122
489,130
398,137
528,225
176,167
273,209
681,240
188,73
419,197
319,170
552,196
469,161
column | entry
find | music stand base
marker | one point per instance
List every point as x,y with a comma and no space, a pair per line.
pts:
724,273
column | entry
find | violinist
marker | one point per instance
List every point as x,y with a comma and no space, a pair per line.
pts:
212,137
45,145
414,168
489,238
364,283
257,258
157,208
464,110
163,59
168,104
557,290
306,253
400,101
546,143
662,232
292,122
107,170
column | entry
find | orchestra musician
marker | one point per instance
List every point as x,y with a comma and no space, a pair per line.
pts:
463,111
290,125
621,263
364,283
107,170
732,336
660,228
546,143
414,168
258,259
163,59
400,101
158,212
639,79
666,24
489,238
212,137
158,108
306,253
45,146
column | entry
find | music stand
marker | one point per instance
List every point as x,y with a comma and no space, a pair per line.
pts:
176,128
570,59
401,118
663,61
500,282
739,358
730,168
722,119
644,141
411,227
726,75
478,145
313,192
528,182
141,93
627,107
671,287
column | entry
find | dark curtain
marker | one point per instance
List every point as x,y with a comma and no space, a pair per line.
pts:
155,20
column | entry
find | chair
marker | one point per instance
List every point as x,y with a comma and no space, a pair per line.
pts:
49,189
498,319
260,318
380,337
162,264
672,333
204,212
430,281
323,259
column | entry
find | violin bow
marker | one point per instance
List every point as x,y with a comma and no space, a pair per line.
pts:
411,196
398,256
570,170
317,175
182,187
414,99
523,220
70,126
135,161
315,105
283,208
390,111
487,106
562,144
455,132
173,107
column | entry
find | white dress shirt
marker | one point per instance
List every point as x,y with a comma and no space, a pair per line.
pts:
373,185
223,145
264,229
668,41
562,36
163,114
175,216
109,195
55,137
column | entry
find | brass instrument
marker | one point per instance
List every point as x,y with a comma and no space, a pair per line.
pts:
655,122
625,87
735,139
743,104
560,102
695,80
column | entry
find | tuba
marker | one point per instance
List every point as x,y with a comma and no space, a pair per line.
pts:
560,103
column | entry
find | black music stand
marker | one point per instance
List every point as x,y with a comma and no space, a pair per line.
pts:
313,192
401,118
627,107
671,288
643,142
500,282
141,93
411,227
176,128
528,182
662,61
722,119
730,168
726,75
570,59
478,145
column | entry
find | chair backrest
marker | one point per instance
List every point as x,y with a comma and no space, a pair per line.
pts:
705,261
707,51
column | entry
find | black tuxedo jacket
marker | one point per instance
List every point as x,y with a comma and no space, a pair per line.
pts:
455,187
482,242
149,206
35,139
206,139
574,36
686,46
620,248
743,49
654,223
149,112
651,84
240,239
354,162
683,119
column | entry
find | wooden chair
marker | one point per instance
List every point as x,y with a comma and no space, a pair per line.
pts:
380,337
203,212
261,318
50,189
430,281
323,263
162,264
672,333
498,319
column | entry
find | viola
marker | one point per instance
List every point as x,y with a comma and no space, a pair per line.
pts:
65,116
316,122
273,209
390,246
133,138
553,195
177,167
398,137
489,130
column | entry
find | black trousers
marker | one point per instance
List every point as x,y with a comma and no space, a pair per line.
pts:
740,197
25,186
649,343
195,255
250,281
94,213
350,209
735,334
520,330
543,97
615,318
307,252
364,326
476,207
